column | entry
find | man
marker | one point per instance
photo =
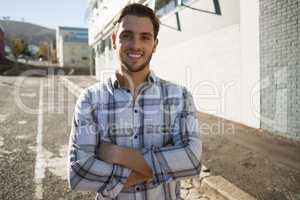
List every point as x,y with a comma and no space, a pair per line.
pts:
134,122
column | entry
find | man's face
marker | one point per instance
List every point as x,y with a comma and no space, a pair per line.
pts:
134,42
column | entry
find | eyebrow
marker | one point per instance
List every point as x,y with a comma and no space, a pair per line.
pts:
147,34
143,33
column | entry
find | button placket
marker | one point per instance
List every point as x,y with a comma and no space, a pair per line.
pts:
136,123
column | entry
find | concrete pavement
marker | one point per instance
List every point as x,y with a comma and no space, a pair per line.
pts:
35,119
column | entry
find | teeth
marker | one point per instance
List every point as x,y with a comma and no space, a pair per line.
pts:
134,55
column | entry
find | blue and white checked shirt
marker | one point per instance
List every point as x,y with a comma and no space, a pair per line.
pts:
161,122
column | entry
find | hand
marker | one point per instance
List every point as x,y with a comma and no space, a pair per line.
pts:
135,178
130,158
109,153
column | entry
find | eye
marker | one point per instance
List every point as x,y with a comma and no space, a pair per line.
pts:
145,37
125,36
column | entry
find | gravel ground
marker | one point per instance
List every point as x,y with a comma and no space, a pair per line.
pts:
251,160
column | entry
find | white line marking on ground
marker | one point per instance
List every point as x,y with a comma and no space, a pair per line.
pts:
32,94
40,161
56,164
22,122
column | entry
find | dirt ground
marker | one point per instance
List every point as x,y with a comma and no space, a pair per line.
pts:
263,165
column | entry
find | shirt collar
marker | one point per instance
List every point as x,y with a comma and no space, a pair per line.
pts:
113,82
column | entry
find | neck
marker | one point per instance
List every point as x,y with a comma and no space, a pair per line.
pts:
132,80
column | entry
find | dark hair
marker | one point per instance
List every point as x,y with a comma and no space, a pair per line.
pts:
140,10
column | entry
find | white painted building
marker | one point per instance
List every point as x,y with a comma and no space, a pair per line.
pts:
209,46
72,47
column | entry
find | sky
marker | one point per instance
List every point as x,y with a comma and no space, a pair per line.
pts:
48,13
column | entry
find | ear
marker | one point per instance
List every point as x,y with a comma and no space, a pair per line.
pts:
113,40
155,45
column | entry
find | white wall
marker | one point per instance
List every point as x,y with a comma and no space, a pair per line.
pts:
195,23
209,66
102,16
204,57
216,58
250,93
107,62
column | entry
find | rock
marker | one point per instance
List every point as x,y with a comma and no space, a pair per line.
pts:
196,183
193,194
203,175
186,184
204,197
205,169
183,193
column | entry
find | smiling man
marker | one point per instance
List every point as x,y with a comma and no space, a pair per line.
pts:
135,41
136,135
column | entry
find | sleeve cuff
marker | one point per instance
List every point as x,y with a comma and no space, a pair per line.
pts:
150,158
118,179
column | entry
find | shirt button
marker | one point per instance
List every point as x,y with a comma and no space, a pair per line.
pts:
135,137
137,188
136,111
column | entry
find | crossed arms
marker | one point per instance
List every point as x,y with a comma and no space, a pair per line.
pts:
87,171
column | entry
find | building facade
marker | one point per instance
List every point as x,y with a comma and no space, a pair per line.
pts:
2,44
220,49
72,47
280,66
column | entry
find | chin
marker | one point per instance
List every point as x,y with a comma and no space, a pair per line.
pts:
137,68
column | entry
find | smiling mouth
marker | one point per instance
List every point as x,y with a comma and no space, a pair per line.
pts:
134,55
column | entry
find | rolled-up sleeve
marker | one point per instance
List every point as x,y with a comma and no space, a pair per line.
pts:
182,159
85,171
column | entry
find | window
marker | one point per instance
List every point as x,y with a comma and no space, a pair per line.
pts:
102,46
186,1
98,48
163,7
109,43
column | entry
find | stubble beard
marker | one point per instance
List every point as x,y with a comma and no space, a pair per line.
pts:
141,67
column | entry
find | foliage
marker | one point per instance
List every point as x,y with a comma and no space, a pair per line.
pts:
18,46
44,50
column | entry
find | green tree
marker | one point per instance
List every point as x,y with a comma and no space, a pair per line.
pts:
17,45
44,50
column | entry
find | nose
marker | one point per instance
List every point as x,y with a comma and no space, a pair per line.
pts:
135,43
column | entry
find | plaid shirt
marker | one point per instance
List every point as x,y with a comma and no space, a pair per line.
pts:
161,122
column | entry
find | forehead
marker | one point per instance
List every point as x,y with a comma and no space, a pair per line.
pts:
136,24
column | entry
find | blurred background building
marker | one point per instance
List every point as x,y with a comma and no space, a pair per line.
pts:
72,47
